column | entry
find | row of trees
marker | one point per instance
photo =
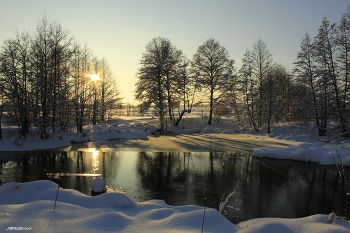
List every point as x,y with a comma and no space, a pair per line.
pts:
260,90
323,68
46,81
167,79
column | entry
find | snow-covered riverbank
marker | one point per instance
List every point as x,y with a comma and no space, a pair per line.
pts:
29,206
297,142
40,206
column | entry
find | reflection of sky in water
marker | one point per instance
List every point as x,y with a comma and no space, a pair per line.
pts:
263,187
124,176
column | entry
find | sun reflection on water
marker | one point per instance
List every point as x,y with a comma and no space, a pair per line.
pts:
95,162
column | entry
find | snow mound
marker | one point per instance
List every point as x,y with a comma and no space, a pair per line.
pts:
31,205
316,223
98,185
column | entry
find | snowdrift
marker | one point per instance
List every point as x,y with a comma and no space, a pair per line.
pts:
33,206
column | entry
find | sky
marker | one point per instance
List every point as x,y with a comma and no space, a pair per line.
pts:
119,30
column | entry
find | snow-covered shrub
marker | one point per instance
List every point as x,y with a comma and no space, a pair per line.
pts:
18,141
223,204
331,217
221,111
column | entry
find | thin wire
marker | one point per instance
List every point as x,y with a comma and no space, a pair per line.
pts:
54,208
56,198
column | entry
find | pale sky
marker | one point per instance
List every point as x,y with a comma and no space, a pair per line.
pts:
120,30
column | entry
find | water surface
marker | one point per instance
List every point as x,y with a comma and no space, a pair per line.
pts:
262,187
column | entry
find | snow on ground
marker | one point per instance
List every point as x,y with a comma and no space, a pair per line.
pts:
31,206
318,152
131,127
323,150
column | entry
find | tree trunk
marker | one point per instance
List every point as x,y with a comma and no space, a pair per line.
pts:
181,115
211,107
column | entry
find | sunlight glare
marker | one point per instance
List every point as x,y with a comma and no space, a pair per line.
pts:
94,77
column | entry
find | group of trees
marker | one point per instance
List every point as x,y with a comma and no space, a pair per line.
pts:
49,81
323,68
163,81
168,81
46,81
260,91
265,88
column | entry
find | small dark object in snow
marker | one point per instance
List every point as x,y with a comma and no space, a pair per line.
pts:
97,193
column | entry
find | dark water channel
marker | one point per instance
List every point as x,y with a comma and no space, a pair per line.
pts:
263,187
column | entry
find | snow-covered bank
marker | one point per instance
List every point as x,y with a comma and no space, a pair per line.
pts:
133,127
287,141
320,152
31,206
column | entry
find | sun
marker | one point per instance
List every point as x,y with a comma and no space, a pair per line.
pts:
94,77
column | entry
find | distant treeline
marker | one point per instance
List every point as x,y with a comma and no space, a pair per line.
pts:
316,90
47,81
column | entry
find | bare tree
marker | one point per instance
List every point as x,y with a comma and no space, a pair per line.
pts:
81,66
45,77
14,77
107,89
214,69
261,68
256,84
158,78
187,87
248,88
325,52
306,72
343,60
1,114
61,52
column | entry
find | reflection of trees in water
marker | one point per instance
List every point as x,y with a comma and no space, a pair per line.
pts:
180,178
29,166
155,170
276,188
264,187
110,165
160,171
